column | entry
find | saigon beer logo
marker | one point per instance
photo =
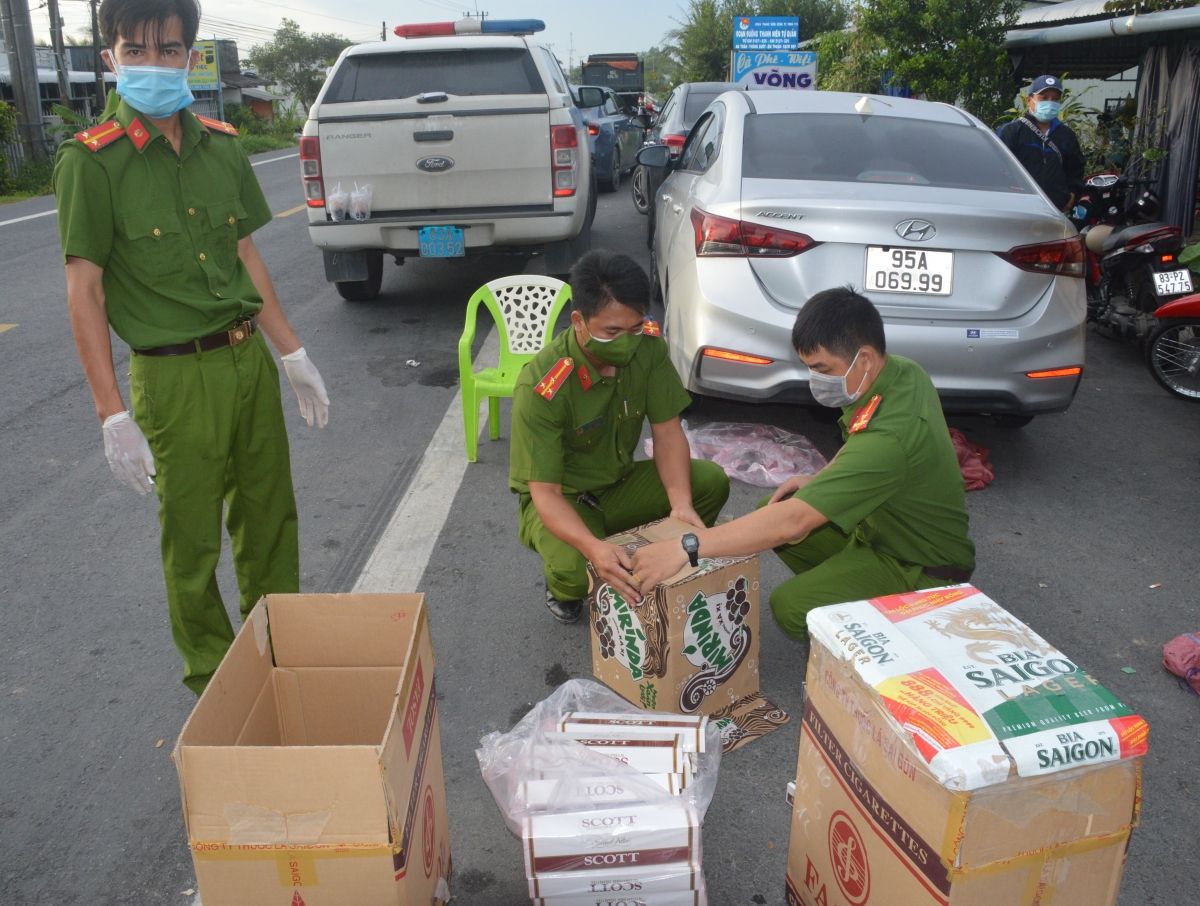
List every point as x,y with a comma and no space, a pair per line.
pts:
848,857
715,639
618,632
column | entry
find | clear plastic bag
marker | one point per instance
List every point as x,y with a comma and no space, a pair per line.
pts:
337,203
761,455
536,772
360,202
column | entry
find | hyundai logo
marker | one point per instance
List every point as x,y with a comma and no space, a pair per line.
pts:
915,230
435,164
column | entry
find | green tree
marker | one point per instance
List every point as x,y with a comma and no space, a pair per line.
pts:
944,50
816,16
701,43
662,71
296,60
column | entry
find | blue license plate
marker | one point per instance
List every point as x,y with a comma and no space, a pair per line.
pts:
441,242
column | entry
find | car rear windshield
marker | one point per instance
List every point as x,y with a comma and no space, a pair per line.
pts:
385,77
694,105
883,149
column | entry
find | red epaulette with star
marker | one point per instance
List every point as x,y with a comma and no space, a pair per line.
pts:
217,125
585,377
552,380
863,416
651,328
97,137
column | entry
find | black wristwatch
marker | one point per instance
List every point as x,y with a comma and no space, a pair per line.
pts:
691,544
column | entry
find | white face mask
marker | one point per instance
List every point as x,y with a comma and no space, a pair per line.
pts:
831,390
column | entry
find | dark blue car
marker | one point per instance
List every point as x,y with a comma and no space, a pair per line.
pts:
614,132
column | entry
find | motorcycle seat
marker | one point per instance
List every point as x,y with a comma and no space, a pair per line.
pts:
1124,235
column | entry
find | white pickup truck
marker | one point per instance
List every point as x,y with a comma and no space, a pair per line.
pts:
470,141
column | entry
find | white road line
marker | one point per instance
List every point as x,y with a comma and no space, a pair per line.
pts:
400,556
27,217
403,550
260,163
49,213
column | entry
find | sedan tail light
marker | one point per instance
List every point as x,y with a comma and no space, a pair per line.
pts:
1064,257
674,141
564,161
593,129
310,171
723,237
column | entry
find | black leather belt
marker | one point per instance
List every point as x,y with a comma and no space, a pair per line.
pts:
236,335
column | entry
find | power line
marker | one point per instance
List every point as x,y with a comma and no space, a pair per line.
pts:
310,13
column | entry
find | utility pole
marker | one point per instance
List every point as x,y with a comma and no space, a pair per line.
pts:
100,91
22,67
60,53
383,30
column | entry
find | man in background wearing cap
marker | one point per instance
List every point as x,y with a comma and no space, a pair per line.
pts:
1045,145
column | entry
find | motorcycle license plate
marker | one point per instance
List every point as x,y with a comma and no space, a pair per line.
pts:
906,270
1173,283
441,242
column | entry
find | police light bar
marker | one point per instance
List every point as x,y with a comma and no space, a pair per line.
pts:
470,26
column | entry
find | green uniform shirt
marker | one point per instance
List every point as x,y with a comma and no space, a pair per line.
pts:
584,438
164,227
897,483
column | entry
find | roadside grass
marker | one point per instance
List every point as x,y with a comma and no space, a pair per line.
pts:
33,180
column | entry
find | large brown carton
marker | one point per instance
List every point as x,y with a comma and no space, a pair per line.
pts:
691,647
311,767
950,755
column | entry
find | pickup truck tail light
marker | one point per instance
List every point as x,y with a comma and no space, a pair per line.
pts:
674,141
310,171
721,237
1064,257
564,161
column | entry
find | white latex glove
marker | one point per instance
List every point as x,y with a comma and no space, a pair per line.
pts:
128,453
310,389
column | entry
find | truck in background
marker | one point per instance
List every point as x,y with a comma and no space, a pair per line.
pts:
624,73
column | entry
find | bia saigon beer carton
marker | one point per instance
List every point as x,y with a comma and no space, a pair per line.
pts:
690,647
950,755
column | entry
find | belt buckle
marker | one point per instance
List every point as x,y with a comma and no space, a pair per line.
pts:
239,333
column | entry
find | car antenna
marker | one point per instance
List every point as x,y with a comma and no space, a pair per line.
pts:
863,105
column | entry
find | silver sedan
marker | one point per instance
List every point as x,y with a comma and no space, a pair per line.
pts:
780,194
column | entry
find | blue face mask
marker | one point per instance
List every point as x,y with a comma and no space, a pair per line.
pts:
157,91
1046,111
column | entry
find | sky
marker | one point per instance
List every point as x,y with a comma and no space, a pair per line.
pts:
574,28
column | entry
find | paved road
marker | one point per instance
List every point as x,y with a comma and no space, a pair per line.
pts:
1089,509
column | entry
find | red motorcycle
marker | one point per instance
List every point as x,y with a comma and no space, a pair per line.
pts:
1173,350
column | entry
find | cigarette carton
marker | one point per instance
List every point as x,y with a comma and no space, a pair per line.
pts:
616,883
949,755
650,753
689,647
675,898
633,837
688,727
311,767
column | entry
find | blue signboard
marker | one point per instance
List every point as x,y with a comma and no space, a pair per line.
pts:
766,32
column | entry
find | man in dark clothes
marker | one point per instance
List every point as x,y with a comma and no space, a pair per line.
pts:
1045,145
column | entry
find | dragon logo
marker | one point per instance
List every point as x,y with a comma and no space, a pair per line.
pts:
987,629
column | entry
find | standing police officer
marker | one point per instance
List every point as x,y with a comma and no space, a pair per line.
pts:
888,514
577,415
1045,145
155,211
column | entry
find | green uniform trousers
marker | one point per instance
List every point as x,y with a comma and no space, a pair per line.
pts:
832,567
634,501
215,425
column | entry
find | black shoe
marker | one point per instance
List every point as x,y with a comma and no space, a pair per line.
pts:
564,611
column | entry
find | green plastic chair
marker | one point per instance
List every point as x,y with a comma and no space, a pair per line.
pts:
525,309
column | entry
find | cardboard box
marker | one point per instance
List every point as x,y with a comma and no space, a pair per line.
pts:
949,755
311,767
692,646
